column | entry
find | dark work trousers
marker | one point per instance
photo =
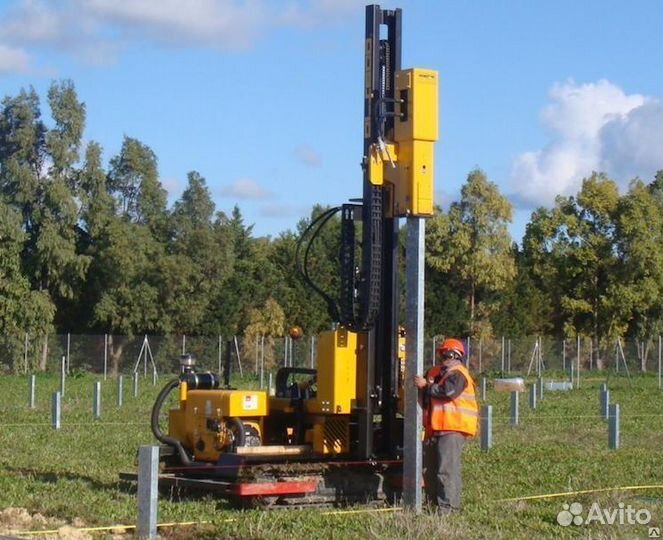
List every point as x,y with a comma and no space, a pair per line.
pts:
442,476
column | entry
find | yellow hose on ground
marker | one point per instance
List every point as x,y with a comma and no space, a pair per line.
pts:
358,511
580,492
190,523
118,527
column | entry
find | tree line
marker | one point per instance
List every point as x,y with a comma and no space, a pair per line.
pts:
88,248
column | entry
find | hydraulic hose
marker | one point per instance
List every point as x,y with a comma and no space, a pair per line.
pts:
314,229
239,432
170,441
240,435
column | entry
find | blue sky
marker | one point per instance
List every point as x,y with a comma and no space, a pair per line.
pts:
264,98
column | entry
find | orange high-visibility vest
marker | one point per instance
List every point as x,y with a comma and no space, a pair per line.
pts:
460,414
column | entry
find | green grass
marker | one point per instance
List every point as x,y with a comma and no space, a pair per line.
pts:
71,475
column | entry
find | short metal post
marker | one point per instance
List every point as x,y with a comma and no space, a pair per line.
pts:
148,486
33,384
502,364
63,376
120,384
68,349
262,362
285,351
483,388
604,400
312,351
468,352
219,359
486,427
480,354
56,410
577,384
532,395
257,354
155,377
25,353
613,427
135,384
514,408
659,364
96,400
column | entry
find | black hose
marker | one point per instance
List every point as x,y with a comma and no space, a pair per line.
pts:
156,430
302,266
240,436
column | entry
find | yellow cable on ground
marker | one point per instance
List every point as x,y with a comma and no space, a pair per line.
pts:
581,492
110,528
189,523
360,511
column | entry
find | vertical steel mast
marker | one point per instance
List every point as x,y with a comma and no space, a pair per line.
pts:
378,282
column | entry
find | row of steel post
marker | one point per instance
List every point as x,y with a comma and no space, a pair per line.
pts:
56,400
607,410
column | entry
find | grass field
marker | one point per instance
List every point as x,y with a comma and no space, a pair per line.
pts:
70,476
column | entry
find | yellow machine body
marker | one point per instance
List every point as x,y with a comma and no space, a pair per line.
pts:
338,352
331,436
340,365
201,422
407,162
337,373
202,409
418,90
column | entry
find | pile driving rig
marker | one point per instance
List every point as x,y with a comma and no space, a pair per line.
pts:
339,437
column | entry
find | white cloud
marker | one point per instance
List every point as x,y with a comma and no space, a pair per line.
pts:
32,21
579,111
593,126
225,23
245,188
71,27
632,145
13,60
308,156
96,30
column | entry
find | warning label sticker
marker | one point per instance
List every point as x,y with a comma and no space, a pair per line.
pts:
250,402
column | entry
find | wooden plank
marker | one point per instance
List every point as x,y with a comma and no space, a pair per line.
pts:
274,450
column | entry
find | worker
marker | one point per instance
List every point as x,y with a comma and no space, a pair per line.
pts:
448,396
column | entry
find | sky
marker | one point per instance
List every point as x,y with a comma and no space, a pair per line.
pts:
264,97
